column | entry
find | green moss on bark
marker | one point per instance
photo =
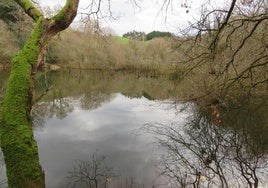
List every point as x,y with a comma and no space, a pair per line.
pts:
30,9
17,141
61,15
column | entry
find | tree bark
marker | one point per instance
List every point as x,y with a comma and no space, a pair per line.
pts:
17,140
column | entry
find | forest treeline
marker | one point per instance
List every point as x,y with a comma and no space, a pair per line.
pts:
139,35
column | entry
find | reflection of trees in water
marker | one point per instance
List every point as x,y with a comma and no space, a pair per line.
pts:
91,89
92,173
203,154
94,100
105,82
60,106
96,173
251,118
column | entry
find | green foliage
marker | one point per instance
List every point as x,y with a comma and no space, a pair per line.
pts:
156,34
135,35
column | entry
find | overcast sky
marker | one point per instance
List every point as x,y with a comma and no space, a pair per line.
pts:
147,18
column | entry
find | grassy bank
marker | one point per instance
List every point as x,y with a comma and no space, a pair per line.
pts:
121,40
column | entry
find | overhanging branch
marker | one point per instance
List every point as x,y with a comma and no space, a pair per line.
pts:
30,9
64,18
213,44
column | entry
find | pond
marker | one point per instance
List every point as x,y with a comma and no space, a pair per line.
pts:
98,114
126,129
111,130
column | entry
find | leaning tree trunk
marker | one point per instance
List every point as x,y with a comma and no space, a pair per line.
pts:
17,140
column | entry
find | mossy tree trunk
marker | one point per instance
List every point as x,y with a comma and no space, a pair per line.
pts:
17,141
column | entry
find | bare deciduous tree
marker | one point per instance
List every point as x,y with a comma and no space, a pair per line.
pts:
204,154
231,41
93,172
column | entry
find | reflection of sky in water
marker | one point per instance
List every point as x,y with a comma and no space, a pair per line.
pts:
3,178
110,129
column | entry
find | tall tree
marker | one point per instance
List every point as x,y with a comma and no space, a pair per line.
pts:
17,142
155,34
135,35
232,42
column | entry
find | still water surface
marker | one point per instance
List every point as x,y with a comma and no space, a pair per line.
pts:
102,114
135,124
112,129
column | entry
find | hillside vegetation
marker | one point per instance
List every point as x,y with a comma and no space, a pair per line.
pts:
201,72
110,52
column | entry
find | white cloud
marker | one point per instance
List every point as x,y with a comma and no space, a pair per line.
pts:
52,3
146,18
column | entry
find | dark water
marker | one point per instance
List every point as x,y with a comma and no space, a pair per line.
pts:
129,129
